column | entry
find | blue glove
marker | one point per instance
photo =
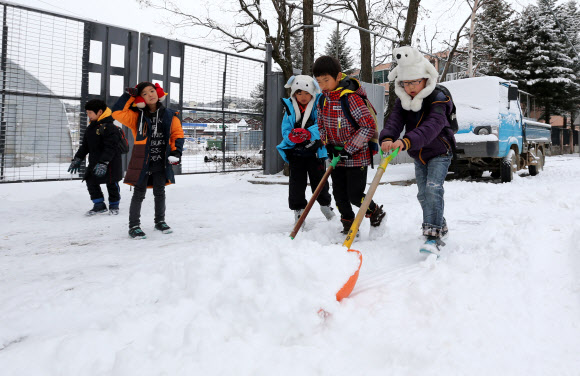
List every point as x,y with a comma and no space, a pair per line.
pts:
74,166
100,169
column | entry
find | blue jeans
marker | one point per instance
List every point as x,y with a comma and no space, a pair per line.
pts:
430,179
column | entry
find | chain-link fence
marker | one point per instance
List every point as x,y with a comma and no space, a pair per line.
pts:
41,66
223,108
51,65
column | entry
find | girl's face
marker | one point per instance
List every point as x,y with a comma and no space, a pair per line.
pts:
150,95
303,97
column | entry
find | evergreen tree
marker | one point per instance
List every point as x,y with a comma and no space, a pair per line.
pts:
539,59
346,61
296,50
492,30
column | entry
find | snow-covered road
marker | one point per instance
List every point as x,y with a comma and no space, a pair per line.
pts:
228,293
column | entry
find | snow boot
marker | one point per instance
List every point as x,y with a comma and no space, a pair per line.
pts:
297,215
114,208
346,223
327,211
98,208
376,216
136,233
162,226
432,245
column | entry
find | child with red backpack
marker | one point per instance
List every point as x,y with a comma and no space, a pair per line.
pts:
344,139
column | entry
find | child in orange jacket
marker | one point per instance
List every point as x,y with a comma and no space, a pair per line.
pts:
158,145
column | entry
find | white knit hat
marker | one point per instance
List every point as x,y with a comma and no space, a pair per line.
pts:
412,65
304,83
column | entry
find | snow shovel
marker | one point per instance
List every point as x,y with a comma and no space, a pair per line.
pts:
349,285
333,164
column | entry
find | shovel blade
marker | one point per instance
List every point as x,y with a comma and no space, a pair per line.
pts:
349,285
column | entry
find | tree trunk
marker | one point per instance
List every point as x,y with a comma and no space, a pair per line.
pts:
471,35
410,23
308,34
452,52
366,68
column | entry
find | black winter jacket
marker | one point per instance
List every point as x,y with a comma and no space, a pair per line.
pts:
100,142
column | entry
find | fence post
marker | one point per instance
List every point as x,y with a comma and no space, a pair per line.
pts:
273,163
3,109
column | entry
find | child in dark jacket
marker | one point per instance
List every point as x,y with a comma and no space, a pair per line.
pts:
349,178
301,147
100,142
158,145
422,110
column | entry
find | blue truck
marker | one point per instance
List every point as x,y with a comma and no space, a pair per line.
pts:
496,132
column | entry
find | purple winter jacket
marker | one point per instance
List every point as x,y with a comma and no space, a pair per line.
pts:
427,132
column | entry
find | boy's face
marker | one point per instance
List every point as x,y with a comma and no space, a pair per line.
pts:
327,82
94,116
150,95
413,87
303,97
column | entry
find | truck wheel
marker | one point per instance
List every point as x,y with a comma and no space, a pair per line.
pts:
475,174
508,166
535,169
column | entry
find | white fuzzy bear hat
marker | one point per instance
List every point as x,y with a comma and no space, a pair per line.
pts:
412,65
304,83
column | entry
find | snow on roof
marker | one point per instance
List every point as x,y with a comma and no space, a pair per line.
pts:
477,100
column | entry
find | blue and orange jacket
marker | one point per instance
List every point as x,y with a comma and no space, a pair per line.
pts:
140,125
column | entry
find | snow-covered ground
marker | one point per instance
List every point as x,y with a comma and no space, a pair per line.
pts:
228,293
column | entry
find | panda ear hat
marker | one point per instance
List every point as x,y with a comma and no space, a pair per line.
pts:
412,65
303,83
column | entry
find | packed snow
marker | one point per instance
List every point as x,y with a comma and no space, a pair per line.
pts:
228,293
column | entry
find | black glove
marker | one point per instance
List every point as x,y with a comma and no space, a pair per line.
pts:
74,166
312,145
174,154
332,152
344,155
132,91
100,169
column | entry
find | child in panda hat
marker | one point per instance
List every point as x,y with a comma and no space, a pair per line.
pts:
301,147
421,109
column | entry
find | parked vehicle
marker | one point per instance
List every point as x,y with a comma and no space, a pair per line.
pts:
495,134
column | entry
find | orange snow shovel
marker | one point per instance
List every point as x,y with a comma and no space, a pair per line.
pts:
333,164
349,285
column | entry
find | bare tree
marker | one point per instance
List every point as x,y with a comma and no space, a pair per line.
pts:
410,23
308,41
240,36
453,49
358,8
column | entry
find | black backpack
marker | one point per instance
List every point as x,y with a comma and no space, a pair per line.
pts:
374,141
123,145
452,117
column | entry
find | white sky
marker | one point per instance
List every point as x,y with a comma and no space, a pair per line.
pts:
445,16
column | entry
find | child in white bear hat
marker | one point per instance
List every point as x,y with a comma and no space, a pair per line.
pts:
422,110
301,147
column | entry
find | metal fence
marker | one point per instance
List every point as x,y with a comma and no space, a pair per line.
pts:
561,141
52,64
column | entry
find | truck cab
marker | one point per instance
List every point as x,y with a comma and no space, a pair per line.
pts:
495,134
